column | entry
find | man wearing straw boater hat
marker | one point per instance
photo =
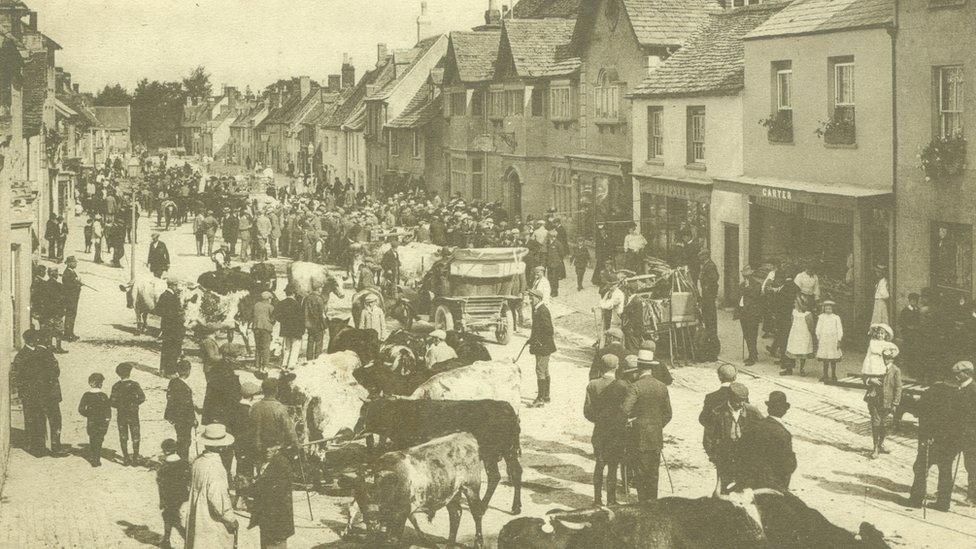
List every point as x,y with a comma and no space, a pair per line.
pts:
210,520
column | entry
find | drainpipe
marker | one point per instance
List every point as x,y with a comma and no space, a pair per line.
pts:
893,225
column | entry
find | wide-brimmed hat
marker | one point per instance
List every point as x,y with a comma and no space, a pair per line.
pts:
216,435
645,355
370,298
249,389
439,334
884,327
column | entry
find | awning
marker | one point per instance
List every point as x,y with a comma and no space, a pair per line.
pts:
607,165
831,195
685,189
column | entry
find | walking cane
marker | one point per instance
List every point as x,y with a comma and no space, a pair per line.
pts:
519,355
196,441
301,467
667,469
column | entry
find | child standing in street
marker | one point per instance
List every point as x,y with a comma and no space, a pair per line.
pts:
173,482
95,407
126,398
799,346
830,332
883,396
89,232
580,260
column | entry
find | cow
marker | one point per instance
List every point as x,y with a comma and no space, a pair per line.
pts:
468,346
343,337
329,397
493,423
762,519
226,281
481,380
265,276
424,479
301,274
380,379
143,294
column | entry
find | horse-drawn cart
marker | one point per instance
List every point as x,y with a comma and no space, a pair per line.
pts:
484,287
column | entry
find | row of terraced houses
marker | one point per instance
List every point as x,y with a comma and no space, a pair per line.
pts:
762,132
49,134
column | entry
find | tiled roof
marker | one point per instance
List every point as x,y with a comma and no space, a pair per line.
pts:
35,92
280,115
812,16
536,43
194,116
539,9
667,22
378,76
475,53
422,110
75,102
114,117
711,62
417,53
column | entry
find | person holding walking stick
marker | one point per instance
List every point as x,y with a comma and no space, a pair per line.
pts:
648,405
541,344
938,436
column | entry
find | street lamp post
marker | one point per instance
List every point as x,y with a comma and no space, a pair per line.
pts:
134,170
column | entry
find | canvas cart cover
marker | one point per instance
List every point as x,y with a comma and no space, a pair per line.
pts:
487,271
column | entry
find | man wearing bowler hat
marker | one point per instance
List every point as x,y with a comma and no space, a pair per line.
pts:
750,313
766,458
648,406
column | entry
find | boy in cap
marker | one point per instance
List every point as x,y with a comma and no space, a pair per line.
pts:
180,411
173,483
97,410
126,398
883,396
439,351
723,434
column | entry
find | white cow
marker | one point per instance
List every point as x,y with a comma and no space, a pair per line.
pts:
301,274
494,380
331,398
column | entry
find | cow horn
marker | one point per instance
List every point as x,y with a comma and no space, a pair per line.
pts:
766,492
574,526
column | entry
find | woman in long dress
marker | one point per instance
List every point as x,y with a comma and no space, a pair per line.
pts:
799,345
880,315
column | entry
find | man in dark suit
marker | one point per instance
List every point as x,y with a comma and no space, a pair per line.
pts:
51,235
170,313
938,435
391,263
71,284
158,256
648,405
541,344
613,345
966,417
724,427
62,234
708,282
720,397
42,386
766,458
750,313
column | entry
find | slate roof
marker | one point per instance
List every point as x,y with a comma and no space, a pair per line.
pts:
77,104
417,53
667,22
815,16
712,61
540,9
118,118
35,92
536,45
421,110
378,76
194,116
281,115
475,53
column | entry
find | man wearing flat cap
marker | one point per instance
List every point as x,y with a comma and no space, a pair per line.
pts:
604,397
724,427
613,344
541,344
648,406
766,458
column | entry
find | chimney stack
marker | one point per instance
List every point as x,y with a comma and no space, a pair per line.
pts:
304,86
382,53
348,72
423,22
75,87
493,17
32,21
335,82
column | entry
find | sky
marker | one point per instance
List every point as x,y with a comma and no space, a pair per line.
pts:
240,42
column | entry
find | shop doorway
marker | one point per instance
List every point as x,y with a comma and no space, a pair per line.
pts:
513,192
731,266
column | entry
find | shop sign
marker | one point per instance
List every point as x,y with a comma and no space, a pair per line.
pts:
782,194
675,190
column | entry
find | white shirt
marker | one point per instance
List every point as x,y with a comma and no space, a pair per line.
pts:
614,301
542,286
540,235
881,290
634,243
808,284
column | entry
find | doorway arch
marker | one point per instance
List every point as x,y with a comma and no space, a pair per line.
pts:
512,185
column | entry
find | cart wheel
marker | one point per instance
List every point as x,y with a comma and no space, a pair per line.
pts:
503,331
443,318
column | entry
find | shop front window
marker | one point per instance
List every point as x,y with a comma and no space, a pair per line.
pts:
952,257
675,229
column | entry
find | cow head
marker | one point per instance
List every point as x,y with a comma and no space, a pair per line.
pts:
532,533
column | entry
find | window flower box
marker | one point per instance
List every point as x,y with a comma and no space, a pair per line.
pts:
779,126
943,158
840,129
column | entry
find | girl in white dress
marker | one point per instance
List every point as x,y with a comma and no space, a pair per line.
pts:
799,345
829,333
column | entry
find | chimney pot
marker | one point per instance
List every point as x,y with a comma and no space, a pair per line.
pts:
382,53
75,87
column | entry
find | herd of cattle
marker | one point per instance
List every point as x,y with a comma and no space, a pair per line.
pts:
441,425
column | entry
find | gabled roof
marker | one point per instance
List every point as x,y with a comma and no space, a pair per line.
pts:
281,115
815,16
540,9
194,116
473,54
417,54
117,118
656,23
422,110
378,77
712,61
75,102
536,46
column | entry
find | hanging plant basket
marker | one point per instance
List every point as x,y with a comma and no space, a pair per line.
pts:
943,158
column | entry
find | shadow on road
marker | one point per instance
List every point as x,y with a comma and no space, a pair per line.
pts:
140,533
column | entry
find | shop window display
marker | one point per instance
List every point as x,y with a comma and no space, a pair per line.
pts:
952,257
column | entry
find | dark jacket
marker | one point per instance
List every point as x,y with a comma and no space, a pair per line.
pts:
966,415
272,509
288,312
38,377
53,299
604,397
96,409
649,404
314,308
273,425
766,458
127,396
71,285
230,228
173,483
719,445
751,308
158,256
222,394
936,414
170,315
541,340
709,280
390,263
179,403
616,348
714,400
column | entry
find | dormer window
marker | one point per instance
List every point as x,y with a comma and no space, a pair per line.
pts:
608,97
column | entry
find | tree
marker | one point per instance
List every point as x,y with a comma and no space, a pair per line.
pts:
197,84
157,109
113,96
